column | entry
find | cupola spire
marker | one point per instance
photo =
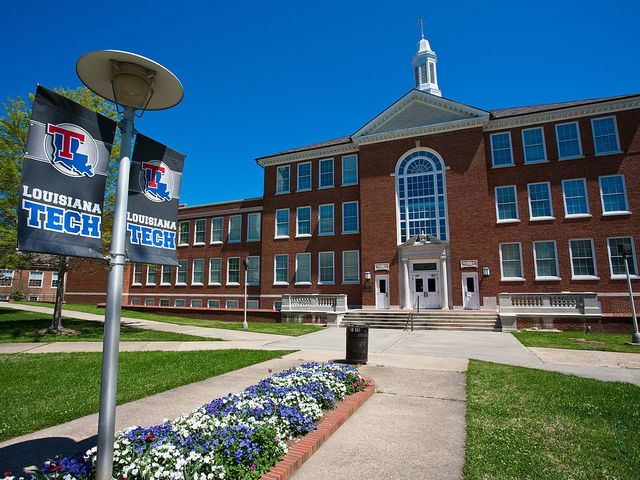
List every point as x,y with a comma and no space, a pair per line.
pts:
424,65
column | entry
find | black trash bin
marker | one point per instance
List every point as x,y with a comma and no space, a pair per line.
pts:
357,343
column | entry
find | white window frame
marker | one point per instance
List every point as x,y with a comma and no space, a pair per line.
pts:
275,272
54,280
214,220
493,164
5,274
357,230
177,300
540,219
298,234
230,283
350,282
333,268
535,261
226,303
634,259
595,263
288,189
277,236
333,173
511,279
149,268
624,190
298,189
239,239
136,266
203,222
193,271
164,268
186,271
250,283
580,154
357,170
257,215
252,300
615,129
211,260
196,300
149,302
211,300
333,219
303,282
164,302
524,147
495,195
586,196
180,242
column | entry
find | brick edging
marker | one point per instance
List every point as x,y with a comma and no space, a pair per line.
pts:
307,445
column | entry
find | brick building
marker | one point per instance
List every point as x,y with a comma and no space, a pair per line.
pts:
433,203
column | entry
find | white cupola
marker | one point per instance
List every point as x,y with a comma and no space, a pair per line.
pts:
424,68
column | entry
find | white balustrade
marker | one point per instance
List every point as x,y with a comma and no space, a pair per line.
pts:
314,303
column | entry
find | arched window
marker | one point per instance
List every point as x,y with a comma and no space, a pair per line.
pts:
421,196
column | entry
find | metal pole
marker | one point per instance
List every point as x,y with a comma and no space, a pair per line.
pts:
107,418
245,325
635,336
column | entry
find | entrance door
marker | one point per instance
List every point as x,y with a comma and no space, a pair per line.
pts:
426,290
382,291
470,295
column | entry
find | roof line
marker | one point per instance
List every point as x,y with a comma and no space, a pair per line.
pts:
186,207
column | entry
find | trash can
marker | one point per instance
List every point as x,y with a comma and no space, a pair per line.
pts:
357,343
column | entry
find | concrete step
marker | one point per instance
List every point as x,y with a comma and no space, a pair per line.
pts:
453,320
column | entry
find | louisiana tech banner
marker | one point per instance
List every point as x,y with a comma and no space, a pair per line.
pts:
63,178
154,193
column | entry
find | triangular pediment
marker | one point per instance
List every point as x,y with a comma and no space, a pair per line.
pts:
423,240
420,112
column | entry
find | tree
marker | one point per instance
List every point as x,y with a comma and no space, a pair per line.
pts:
14,128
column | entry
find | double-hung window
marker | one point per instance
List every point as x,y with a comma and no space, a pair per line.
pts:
574,193
568,140
583,261
501,151
213,304
152,274
540,201
283,175
232,304
605,135
137,274
351,266
350,217
511,261
326,268
197,272
165,278
36,279
281,269
616,259
200,233
54,279
215,271
183,233
282,223
304,176
235,229
613,195
350,170
181,275
533,145
216,229
303,269
507,204
253,270
545,258
233,271
303,221
6,278
253,227
326,173
325,219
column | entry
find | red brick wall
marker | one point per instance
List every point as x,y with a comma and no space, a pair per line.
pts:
20,283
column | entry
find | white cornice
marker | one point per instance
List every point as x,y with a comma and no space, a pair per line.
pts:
322,152
426,130
564,113
218,213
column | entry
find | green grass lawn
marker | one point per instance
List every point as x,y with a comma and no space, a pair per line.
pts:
290,329
19,327
610,342
52,388
531,424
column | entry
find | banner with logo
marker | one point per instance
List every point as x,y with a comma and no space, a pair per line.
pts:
154,193
64,174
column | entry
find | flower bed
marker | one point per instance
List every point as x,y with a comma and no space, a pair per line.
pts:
234,437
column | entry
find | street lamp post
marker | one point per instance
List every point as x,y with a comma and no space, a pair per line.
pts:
245,324
627,253
135,83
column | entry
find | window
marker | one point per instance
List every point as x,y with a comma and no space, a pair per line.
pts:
253,304
6,278
533,145
282,223
613,195
164,302
326,268
351,266
179,302
253,270
583,262
326,173
304,176
506,204
134,301
281,267
350,222
277,305
213,304
325,219
303,269
501,152
253,227
200,234
616,260
35,279
605,135
423,73
540,201
137,274
152,274
183,233
233,304
197,273
303,221
216,229
574,193
149,302
233,271
181,277
282,179
54,279
511,261
432,72
568,139
215,271
350,170
196,303
235,229
166,275
546,260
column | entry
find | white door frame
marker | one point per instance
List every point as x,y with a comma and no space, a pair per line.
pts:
384,304
426,301
466,296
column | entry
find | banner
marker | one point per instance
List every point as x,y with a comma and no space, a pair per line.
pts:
63,178
154,193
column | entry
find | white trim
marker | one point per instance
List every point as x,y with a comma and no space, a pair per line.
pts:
288,190
357,230
4,273
229,239
511,279
541,218
211,240
193,271
147,282
275,272
133,276
624,191
298,234
623,276
213,300
524,147
593,259
186,272
350,282
581,151
31,272
228,282
248,283
195,231
333,219
298,189
586,197
306,154
495,196
276,223
180,243
535,261
344,157
162,282
333,173
615,129
257,215
333,269
493,163
226,304
209,282
303,282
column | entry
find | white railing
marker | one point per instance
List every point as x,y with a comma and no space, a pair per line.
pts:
549,304
314,303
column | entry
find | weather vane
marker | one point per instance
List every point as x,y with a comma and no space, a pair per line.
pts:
421,25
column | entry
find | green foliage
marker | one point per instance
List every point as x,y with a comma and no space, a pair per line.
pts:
17,295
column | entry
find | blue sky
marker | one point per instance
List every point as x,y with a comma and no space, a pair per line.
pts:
261,77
